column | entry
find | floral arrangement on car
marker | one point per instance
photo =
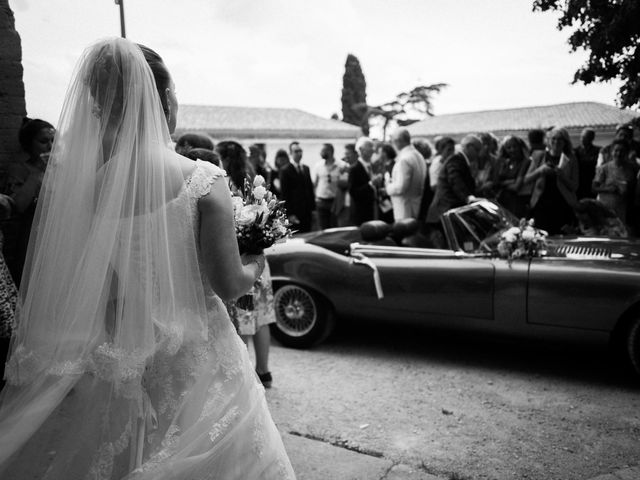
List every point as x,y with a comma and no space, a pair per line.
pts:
260,222
522,241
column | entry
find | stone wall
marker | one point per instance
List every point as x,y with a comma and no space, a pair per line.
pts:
12,103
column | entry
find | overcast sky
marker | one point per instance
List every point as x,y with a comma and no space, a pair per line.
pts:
291,53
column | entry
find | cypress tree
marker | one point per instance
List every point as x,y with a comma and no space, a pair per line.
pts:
354,91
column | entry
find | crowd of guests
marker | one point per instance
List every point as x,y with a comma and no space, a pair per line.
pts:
585,189
564,188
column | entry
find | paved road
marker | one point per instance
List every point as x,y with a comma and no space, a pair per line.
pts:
463,407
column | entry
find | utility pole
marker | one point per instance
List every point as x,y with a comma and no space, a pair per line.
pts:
122,30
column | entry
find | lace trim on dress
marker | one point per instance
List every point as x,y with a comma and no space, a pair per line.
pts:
169,443
214,399
200,181
102,462
223,425
107,361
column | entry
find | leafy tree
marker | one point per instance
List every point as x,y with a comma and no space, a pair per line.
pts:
609,30
354,90
407,108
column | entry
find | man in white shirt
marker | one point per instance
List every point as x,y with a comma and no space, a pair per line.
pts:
406,183
327,178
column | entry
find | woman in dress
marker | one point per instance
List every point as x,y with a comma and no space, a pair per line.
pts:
259,163
553,175
24,182
281,160
484,169
252,314
512,165
615,181
124,360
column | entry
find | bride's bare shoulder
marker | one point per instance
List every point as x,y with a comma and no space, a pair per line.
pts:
186,165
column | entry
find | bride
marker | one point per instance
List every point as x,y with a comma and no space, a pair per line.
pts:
124,364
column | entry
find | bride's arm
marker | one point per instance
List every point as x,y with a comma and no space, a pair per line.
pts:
229,278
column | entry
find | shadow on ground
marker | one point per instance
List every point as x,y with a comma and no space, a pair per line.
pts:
583,363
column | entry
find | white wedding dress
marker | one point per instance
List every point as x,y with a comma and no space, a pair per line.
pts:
124,363
204,410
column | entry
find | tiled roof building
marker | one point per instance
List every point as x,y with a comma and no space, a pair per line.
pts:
258,123
518,121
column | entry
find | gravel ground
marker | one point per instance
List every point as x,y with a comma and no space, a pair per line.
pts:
459,407
466,407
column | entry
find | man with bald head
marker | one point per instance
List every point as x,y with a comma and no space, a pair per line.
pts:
406,184
456,186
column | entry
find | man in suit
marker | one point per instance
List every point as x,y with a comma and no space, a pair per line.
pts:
362,183
406,184
456,186
587,156
297,190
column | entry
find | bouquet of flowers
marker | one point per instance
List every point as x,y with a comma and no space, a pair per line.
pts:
523,241
260,221
260,218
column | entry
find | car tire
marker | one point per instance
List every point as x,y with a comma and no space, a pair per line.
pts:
632,345
303,318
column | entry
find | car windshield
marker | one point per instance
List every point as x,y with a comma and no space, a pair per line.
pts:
477,227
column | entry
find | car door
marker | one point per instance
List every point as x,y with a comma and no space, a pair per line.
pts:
585,294
416,283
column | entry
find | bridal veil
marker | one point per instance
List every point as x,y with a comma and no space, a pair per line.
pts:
112,278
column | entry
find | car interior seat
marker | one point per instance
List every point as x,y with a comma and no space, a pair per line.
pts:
376,232
403,228
408,233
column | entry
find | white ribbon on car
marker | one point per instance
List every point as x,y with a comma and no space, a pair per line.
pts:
360,259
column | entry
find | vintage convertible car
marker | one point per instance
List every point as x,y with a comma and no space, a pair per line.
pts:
585,289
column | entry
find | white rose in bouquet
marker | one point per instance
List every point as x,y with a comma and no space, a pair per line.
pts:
248,215
258,181
259,192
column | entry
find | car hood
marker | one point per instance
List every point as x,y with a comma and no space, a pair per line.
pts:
601,248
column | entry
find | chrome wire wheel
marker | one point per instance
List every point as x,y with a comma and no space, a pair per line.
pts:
296,311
